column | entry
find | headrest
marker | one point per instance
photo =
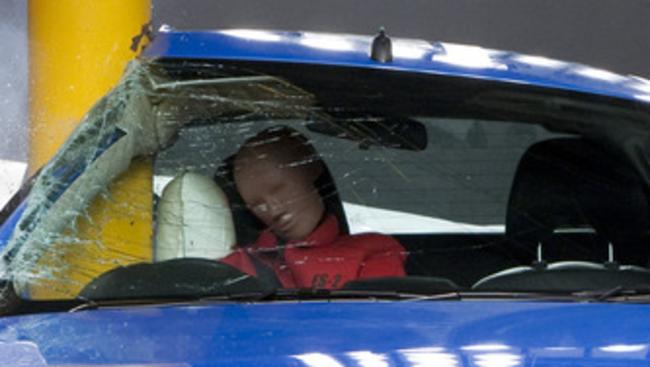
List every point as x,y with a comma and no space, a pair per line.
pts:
194,220
573,183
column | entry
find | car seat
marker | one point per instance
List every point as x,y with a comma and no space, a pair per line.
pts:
576,209
194,220
569,188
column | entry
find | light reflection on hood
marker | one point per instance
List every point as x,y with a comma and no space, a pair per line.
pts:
328,42
428,356
369,359
318,360
472,57
253,35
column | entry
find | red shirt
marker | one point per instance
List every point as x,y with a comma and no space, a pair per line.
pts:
325,259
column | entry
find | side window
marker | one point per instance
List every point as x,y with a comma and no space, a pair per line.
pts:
459,183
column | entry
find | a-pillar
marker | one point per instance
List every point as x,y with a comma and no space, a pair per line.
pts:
78,50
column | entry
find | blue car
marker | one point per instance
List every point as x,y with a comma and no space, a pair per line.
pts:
489,209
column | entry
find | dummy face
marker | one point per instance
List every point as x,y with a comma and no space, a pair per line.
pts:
280,194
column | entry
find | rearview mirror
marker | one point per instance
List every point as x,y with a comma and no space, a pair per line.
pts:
391,132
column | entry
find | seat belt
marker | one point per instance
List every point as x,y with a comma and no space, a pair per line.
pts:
265,274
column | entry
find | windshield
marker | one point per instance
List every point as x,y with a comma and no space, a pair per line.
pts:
199,179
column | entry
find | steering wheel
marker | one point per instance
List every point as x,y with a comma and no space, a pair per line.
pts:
183,277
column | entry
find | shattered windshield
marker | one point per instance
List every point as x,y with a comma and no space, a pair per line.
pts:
205,178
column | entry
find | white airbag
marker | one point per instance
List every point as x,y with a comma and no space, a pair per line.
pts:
194,220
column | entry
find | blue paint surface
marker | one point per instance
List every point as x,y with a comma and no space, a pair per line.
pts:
9,225
466,333
323,334
410,55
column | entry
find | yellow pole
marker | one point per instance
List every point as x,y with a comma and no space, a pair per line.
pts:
78,50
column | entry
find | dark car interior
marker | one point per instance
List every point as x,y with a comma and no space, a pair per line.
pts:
576,218
573,207
577,215
488,186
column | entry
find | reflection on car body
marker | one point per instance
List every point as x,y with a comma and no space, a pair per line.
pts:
501,177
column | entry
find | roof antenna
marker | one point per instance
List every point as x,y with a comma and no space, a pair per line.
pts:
382,49
611,263
539,264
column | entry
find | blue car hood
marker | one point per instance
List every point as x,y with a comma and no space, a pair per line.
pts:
322,334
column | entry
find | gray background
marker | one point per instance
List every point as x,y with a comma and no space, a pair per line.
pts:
610,34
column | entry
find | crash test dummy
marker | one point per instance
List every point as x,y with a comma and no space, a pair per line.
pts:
275,173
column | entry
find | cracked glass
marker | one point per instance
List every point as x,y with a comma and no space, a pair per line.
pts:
197,179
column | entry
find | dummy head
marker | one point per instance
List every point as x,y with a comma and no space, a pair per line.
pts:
275,173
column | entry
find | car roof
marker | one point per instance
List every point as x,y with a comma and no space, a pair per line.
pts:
410,55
